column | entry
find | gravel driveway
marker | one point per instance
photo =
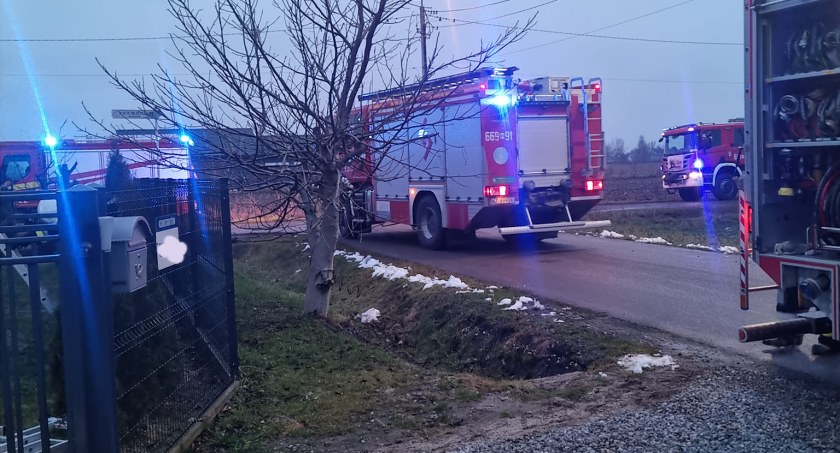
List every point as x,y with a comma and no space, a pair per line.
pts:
730,410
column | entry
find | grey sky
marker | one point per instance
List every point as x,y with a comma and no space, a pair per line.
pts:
647,85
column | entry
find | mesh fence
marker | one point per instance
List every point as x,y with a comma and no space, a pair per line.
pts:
174,338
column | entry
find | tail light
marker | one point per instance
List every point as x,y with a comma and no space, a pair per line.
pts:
597,87
592,185
496,191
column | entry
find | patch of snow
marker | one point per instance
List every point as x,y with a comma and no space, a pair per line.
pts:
390,272
729,250
297,271
656,240
567,308
638,362
518,305
505,301
538,305
611,234
489,299
455,282
602,374
633,237
492,287
559,320
369,315
698,246
306,248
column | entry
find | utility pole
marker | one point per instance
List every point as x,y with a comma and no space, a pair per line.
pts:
423,39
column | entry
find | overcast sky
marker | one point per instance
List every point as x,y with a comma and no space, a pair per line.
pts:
648,84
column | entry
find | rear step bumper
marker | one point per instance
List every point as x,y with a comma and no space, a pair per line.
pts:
552,227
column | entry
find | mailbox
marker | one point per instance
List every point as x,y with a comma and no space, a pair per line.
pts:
129,252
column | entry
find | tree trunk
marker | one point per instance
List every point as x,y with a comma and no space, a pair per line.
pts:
322,222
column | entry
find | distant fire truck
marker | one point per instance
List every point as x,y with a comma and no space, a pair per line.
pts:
530,160
36,165
701,157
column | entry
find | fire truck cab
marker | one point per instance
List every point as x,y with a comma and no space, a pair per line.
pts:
703,157
525,158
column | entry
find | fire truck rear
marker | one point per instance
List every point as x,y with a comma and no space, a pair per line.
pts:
527,162
790,208
701,157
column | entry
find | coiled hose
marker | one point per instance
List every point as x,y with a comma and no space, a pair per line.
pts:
828,201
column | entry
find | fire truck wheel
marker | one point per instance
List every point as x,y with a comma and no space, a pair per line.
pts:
345,229
690,194
429,223
725,187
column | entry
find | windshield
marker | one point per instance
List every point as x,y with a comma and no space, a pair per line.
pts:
680,144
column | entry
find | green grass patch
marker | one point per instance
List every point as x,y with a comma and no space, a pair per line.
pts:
432,351
716,223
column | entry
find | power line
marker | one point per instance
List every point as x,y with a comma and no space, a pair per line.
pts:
470,8
602,28
497,17
588,35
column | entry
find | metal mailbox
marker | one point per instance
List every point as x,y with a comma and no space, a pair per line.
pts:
129,253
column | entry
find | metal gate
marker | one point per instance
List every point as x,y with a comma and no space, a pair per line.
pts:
104,369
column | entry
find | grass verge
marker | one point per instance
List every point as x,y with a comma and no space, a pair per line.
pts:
433,355
715,224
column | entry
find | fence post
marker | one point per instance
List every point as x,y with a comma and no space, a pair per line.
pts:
87,325
224,195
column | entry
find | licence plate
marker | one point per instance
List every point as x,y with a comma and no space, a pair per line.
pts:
503,200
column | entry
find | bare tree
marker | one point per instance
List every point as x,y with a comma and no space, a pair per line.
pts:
289,119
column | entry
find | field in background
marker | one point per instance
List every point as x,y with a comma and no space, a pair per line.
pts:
635,183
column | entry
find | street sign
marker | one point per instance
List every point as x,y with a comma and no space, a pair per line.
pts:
135,114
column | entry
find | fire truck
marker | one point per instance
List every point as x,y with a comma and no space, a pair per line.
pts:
703,157
529,159
35,165
790,205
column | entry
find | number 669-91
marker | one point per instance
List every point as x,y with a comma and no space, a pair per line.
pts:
496,136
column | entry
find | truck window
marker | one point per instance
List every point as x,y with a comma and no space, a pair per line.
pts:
712,138
739,138
15,167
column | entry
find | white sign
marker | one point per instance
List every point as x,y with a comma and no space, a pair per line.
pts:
135,114
170,249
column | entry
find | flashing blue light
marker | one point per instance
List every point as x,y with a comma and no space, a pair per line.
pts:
691,129
501,100
185,139
50,141
698,163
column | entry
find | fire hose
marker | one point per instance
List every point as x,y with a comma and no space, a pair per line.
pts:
828,202
811,115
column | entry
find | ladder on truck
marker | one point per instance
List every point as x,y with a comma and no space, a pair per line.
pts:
595,158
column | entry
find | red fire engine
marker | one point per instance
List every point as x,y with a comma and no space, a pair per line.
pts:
700,157
34,165
790,207
529,161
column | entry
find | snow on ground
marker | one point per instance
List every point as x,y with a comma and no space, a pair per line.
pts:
306,244
656,240
391,272
489,299
611,234
727,249
518,306
698,246
638,362
369,315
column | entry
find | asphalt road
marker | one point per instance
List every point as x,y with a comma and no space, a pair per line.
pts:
689,293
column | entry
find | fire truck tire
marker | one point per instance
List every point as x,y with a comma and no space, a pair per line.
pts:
725,187
429,224
345,229
691,194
